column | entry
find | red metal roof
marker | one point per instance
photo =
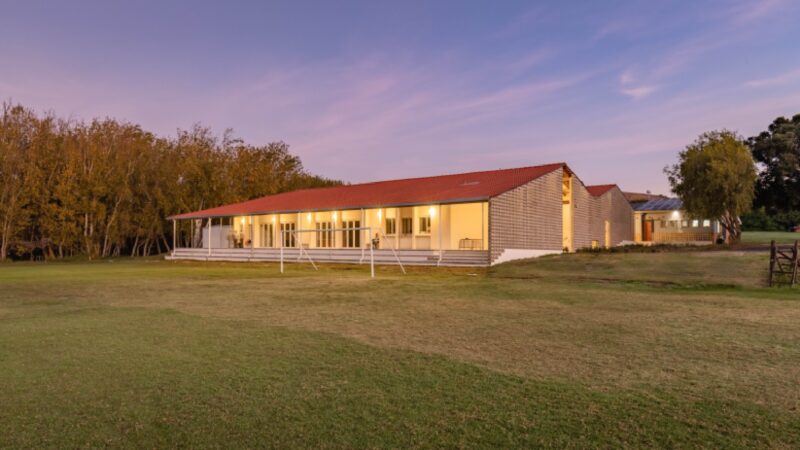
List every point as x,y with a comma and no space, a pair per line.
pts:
600,189
462,187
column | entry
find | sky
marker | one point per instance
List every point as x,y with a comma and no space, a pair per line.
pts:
372,90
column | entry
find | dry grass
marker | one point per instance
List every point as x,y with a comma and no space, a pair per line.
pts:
610,350
689,326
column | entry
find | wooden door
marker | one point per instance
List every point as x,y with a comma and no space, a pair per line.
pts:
647,234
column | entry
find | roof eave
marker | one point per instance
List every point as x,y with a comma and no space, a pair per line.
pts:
340,208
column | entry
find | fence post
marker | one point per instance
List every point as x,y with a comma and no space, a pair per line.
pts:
772,255
795,262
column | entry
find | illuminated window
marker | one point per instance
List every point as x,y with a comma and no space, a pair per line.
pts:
324,234
267,233
351,237
288,235
425,225
706,223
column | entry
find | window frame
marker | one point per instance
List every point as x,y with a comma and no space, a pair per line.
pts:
425,225
407,221
324,234
390,230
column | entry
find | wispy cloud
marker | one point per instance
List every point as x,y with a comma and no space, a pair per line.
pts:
751,10
638,92
631,87
784,78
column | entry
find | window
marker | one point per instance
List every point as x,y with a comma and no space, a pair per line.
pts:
706,223
424,225
695,223
685,223
288,235
324,234
351,237
391,225
267,235
408,225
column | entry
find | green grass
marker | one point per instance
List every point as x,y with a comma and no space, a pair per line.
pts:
765,237
594,350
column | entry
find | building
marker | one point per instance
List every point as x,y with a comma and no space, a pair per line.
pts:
641,197
477,218
663,221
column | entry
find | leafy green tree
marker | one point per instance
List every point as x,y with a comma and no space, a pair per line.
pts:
715,177
777,152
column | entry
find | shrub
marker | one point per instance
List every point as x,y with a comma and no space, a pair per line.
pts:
787,220
759,220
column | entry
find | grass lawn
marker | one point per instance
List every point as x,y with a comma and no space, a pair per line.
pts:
765,237
587,350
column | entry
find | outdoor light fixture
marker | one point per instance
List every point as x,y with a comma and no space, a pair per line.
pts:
431,211
242,220
334,216
380,213
309,217
273,219
676,215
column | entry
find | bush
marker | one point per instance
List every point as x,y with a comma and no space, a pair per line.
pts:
759,220
788,220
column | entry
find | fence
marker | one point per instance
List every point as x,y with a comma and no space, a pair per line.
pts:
783,264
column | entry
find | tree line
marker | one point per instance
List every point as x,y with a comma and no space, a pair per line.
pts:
104,188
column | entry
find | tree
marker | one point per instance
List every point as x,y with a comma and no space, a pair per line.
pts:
104,188
715,177
777,151
17,135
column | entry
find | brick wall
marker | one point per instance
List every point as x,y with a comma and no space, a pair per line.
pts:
611,206
530,216
527,217
615,207
585,214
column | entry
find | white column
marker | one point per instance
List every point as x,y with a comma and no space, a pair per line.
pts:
363,224
484,240
439,226
174,236
209,236
414,225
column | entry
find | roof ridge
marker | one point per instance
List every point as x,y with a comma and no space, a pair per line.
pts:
395,180
447,186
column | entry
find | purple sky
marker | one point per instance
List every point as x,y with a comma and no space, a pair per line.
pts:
395,89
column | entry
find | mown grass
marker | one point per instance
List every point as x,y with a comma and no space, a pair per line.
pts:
765,237
595,350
